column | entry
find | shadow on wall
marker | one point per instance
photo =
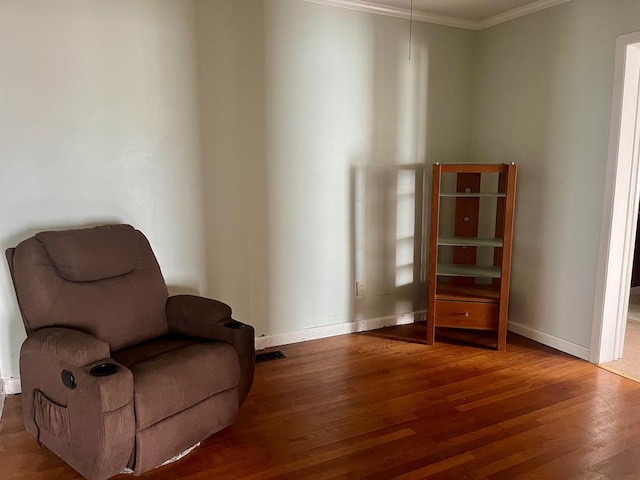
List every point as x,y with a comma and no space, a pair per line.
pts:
181,289
388,248
387,188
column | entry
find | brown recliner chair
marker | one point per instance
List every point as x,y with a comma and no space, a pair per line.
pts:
114,372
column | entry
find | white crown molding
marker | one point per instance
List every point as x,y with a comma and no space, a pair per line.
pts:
404,13
519,12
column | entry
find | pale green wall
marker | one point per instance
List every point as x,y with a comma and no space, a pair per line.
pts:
109,116
99,124
542,99
232,124
295,97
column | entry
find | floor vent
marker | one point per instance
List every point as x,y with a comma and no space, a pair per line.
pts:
268,356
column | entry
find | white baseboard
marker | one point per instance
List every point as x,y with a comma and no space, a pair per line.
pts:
325,331
11,385
551,341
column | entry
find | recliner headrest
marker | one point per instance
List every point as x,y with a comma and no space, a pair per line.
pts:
90,254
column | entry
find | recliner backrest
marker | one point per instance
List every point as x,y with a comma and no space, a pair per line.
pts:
104,281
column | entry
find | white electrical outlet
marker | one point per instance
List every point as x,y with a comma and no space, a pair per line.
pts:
360,288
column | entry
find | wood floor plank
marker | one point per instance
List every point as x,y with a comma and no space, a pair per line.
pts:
381,405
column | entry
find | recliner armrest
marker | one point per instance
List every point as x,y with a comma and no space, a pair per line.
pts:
202,317
191,312
86,418
210,319
68,345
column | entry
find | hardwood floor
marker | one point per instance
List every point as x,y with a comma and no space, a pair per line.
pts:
382,405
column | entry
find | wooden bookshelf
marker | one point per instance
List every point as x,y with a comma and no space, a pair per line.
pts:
468,290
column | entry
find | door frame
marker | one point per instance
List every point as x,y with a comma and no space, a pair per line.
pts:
620,207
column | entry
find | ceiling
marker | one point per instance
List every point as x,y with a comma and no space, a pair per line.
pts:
471,14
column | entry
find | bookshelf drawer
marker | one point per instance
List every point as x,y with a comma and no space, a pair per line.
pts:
480,316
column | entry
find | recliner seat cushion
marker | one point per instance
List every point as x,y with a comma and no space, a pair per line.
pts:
175,373
152,348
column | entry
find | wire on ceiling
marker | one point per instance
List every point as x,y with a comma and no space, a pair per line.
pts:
410,26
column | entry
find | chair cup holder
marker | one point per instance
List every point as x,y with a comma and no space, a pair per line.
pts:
233,324
104,369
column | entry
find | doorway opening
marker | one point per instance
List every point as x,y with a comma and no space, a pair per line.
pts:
620,210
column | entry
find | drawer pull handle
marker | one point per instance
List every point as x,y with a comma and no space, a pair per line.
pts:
466,314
